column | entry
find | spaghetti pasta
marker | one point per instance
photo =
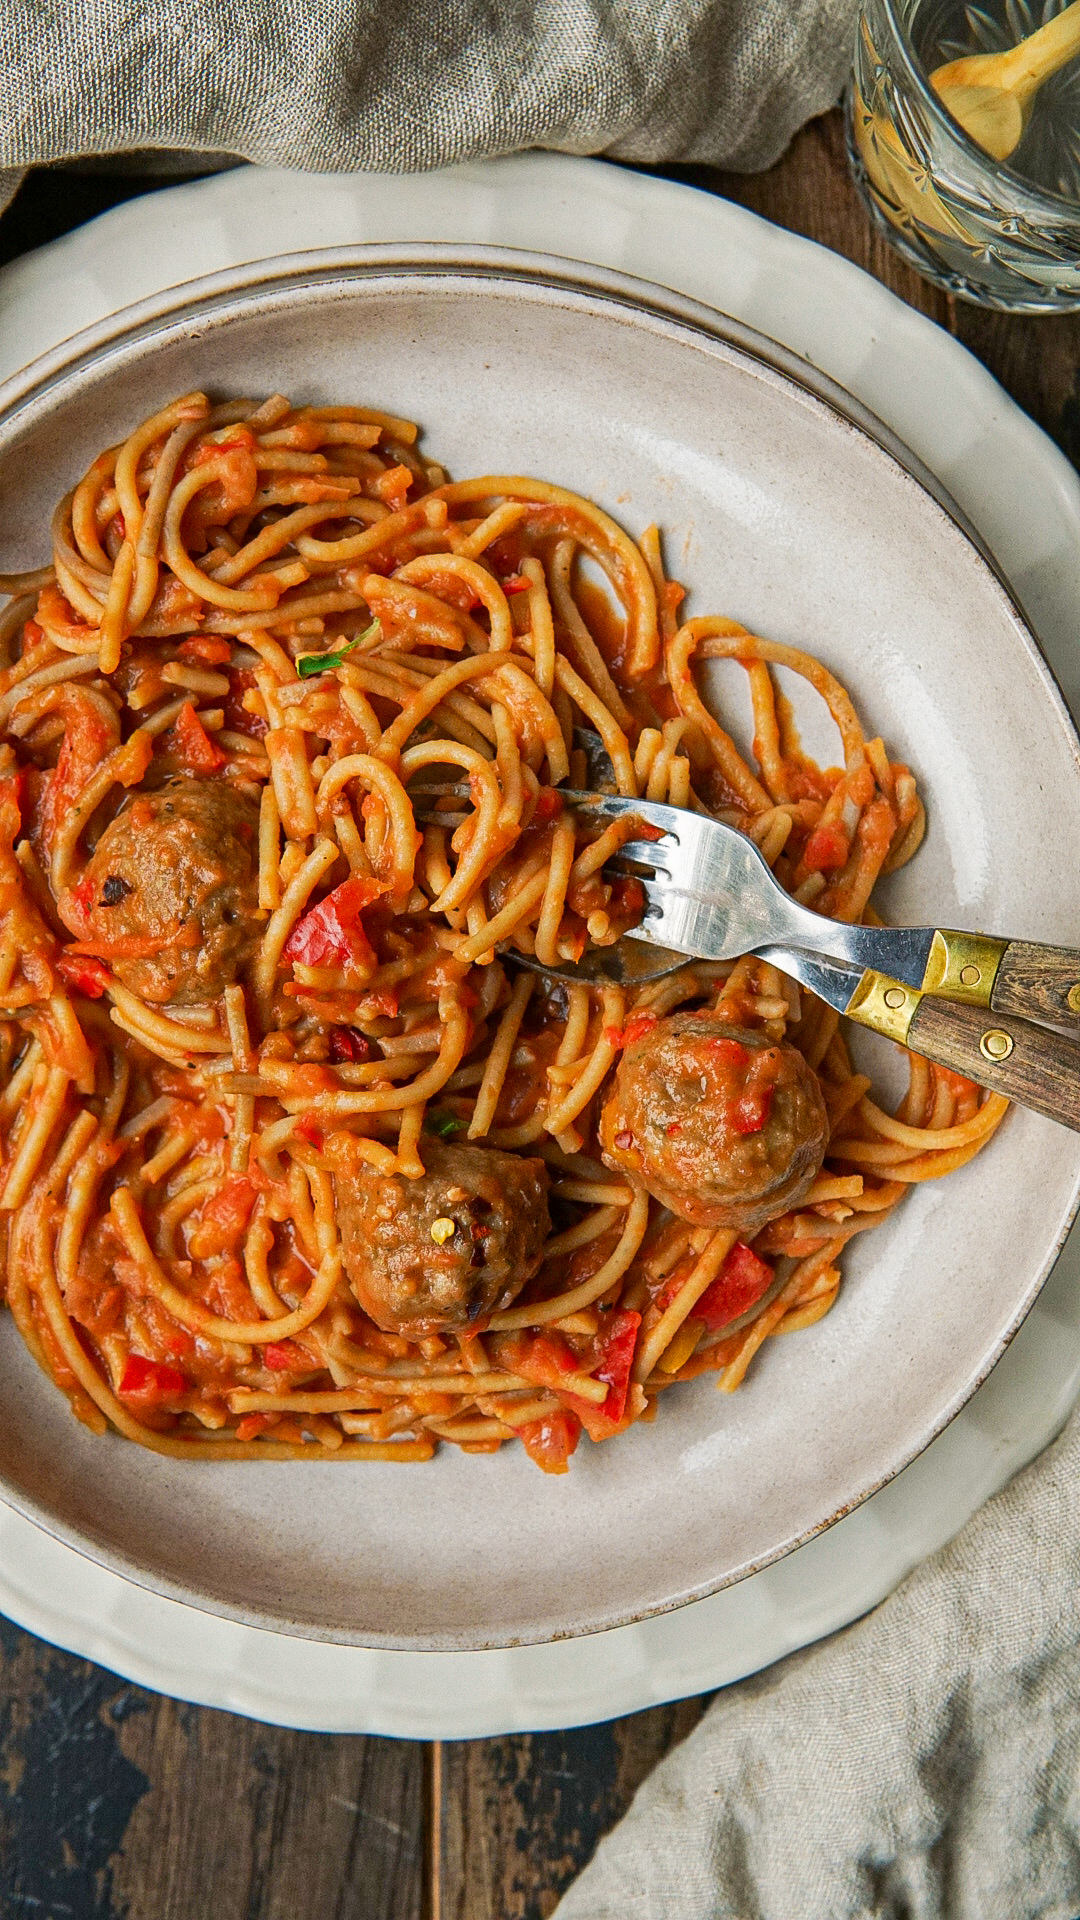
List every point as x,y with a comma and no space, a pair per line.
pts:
261,1025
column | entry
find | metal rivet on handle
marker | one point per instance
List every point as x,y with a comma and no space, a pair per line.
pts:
1072,998
996,1044
970,976
894,996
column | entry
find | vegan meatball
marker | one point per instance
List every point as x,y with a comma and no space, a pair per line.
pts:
721,1124
170,894
442,1253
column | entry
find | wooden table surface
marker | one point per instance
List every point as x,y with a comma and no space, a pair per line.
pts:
116,1804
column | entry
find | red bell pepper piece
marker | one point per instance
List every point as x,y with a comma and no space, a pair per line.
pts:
151,1381
347,1044
83,973
752,1109
549,804
638,1025
332,933
617,1344
738,1286
628,898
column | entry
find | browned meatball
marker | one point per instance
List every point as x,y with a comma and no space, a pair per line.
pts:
721,1124
177,872
407,1269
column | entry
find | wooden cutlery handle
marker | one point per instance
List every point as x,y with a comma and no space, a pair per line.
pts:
1029,1064
1026,1063
1040,983
1011,976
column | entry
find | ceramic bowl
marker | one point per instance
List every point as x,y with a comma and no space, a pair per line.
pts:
787,506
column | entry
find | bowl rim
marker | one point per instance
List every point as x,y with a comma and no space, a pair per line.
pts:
440,264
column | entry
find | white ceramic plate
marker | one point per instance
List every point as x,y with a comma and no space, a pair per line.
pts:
630,1667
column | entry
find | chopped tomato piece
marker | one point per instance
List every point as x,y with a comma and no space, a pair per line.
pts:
332,933
308,1131
204,646
284,1356
826,850
638,1025
84,974
550,1442
544,1358
222,1219
392,487
515,584
151,1381
738,1286
251,1424
193,743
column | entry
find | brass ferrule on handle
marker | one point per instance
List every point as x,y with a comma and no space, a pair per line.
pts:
885,1006
963,966
1013,1056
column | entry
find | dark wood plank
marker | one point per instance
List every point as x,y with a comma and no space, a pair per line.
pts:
518,1818
117,1804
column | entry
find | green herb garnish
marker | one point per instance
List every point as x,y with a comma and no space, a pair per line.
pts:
310,664
443,1123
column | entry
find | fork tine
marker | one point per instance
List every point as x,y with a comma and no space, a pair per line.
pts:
644,853
427,817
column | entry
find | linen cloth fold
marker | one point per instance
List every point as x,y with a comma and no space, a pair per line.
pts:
924,1764
404,85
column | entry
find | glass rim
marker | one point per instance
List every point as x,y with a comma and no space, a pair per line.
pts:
1043,197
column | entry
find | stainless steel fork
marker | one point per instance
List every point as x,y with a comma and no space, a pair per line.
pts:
710,894
959,998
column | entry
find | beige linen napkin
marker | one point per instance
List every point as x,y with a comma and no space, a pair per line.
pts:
922,1765
403,85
